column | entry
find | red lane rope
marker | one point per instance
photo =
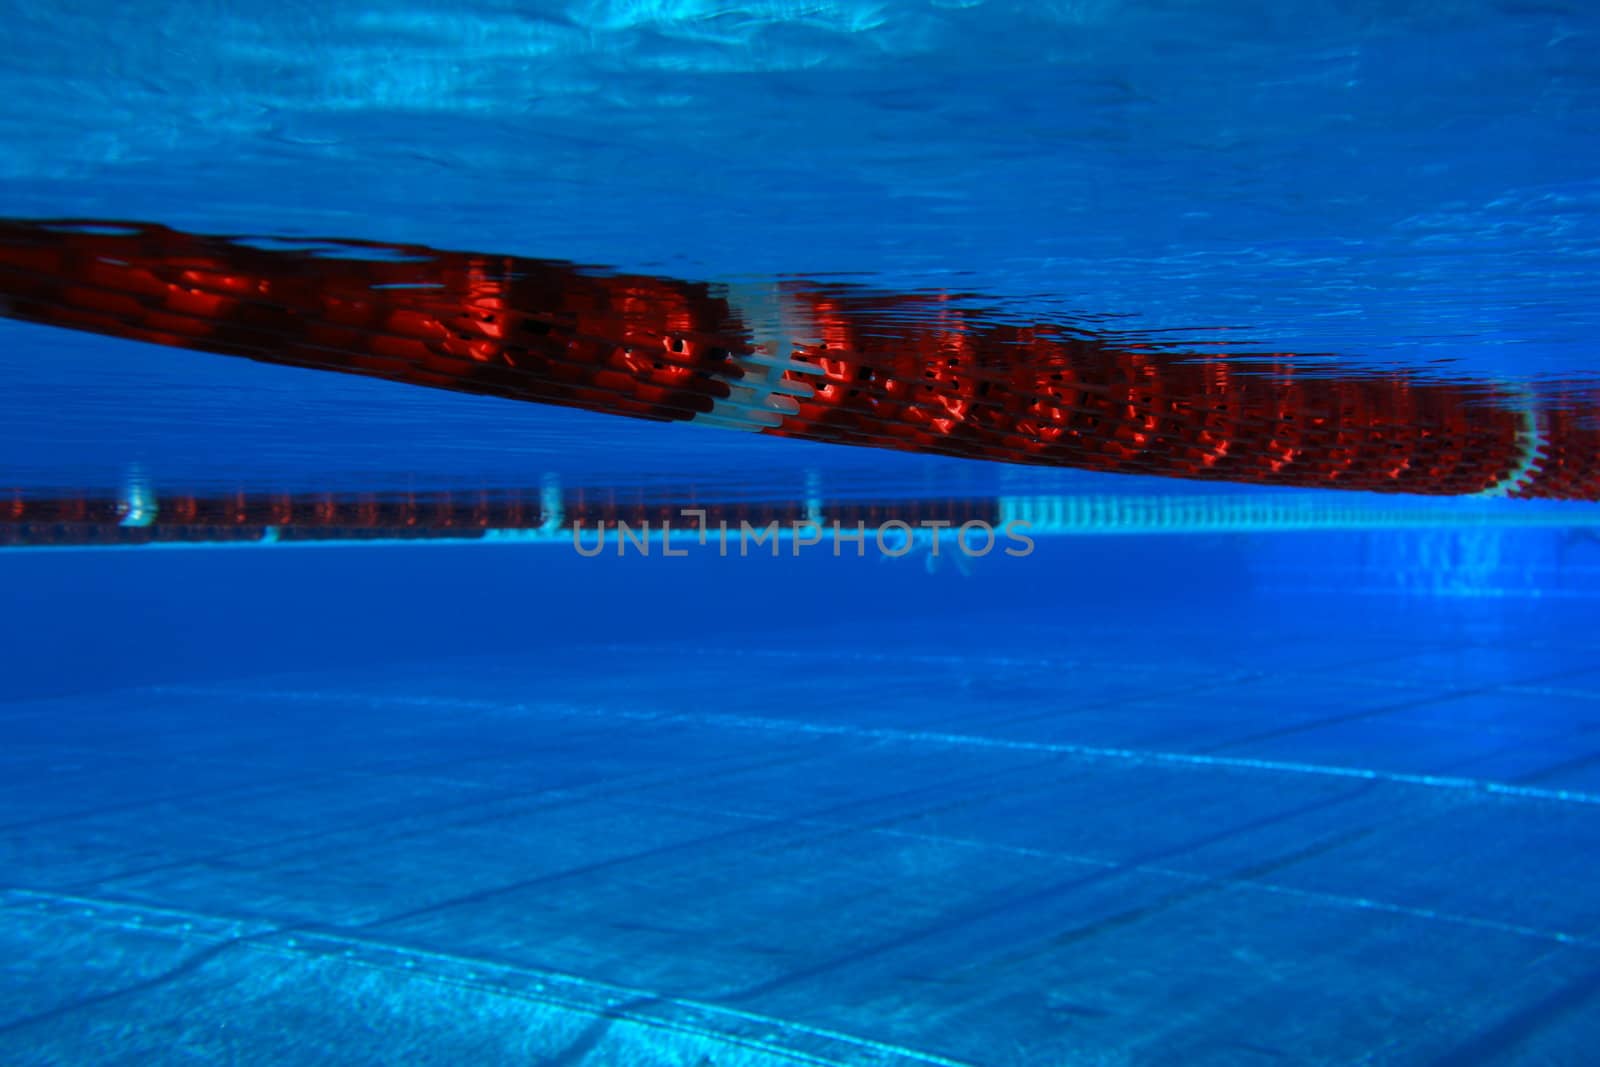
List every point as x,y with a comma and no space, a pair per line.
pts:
813,366
44,519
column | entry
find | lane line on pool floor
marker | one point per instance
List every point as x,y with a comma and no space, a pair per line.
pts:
1486,787
782,1039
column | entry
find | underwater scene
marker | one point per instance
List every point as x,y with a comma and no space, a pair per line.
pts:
679,533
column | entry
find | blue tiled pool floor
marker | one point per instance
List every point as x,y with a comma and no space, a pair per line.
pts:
1101,847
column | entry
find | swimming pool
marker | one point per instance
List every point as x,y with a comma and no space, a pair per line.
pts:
1154,621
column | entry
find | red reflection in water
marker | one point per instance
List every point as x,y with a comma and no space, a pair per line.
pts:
912,372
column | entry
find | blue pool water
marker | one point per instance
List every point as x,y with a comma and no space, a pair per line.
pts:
1217,774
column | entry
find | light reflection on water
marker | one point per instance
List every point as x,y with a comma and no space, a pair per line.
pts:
1415,185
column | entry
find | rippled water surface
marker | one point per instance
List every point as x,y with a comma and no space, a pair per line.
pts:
1412,185
1411,180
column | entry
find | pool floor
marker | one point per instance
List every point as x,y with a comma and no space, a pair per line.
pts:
1082,846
